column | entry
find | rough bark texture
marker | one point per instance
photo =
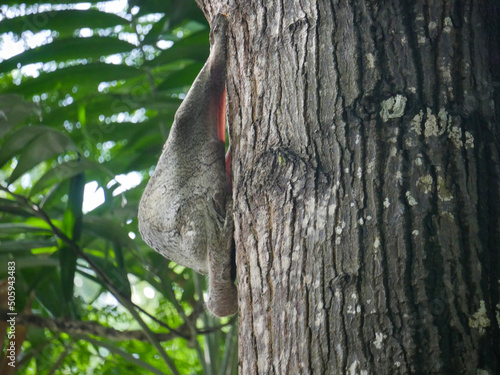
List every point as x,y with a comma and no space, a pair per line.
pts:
366,186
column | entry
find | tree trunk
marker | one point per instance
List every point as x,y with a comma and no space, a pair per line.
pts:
366,186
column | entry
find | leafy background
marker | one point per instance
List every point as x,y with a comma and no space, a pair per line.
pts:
87,96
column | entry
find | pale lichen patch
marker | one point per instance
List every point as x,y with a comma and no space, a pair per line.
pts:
411,200
443,122
386,202
399,177
416,123
446,75
331,209
260,325
425,183
480,319
443,193
285,264
376,243
455,135
310,206
443,116
409,143
370,59
371,165
448,24
379,339
353,368
431,126
469,140
448,215
394,107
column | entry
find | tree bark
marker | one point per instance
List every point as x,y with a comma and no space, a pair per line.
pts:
366,186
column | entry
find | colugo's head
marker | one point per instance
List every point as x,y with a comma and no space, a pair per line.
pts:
218,27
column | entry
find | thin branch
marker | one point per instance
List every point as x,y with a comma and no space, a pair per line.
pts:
61,357
107,281
74,327
131,307
122,353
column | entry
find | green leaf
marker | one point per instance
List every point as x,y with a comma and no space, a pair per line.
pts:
176,10
119,278
63,21
25,246
14,207
181,78
107,229
85,75
65,171
194,47
72,224
18,228
48,290
112,103
151,6
45,145
72,227
20,140
13,111
153,35
120,261
69,49
31,2
31,262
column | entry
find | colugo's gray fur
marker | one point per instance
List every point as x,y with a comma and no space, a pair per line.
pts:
185,212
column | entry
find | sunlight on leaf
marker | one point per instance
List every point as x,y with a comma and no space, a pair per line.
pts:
93,196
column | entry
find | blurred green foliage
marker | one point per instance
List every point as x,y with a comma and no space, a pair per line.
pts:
88,92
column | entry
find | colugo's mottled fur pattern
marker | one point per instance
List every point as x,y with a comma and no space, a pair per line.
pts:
186,210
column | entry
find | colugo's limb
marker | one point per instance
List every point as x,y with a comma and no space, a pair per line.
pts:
185,211
223,295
